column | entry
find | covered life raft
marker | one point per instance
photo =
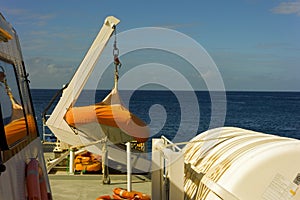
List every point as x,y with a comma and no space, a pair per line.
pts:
241,164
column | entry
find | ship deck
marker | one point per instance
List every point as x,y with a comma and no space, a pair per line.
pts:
90,186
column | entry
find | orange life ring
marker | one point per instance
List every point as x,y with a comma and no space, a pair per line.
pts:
131,195
116,197
107,197
32,180
43,185
35,182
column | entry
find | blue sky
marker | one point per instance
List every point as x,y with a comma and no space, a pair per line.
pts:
254,43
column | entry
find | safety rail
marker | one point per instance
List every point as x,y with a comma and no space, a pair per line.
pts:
171,144
45,133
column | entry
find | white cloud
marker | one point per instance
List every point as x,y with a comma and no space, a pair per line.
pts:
25,16
287,8
177,26
47,73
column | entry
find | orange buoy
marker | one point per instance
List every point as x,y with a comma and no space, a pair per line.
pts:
32,180
116,197
131,195
43,185
105,197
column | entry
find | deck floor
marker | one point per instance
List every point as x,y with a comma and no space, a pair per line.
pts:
89,186
86,187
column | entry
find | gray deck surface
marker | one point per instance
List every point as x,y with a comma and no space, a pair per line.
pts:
89,186
86,187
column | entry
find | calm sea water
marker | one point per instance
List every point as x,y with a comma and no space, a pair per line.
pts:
177,116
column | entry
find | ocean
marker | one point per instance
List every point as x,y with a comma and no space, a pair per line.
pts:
183,114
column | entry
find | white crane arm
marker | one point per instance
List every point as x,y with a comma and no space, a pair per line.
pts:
56,122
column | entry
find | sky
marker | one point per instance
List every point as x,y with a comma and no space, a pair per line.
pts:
255,44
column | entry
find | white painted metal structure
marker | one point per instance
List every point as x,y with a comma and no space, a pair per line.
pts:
55,122
167,171
65,133
59,126
129,168
15,156
12,181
